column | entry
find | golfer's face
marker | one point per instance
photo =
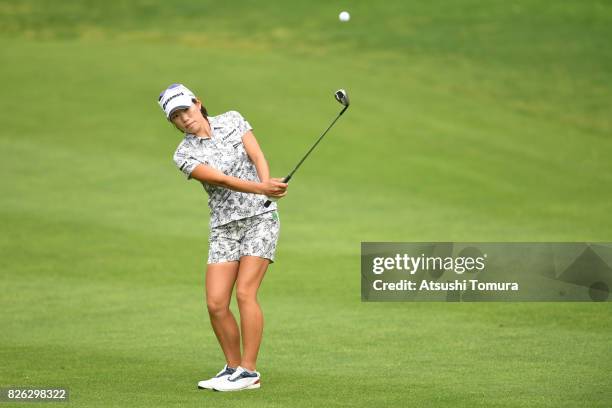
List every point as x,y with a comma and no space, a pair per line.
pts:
187,120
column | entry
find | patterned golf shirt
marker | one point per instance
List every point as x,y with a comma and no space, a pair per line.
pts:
225,152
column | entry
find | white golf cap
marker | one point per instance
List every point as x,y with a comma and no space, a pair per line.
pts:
174,97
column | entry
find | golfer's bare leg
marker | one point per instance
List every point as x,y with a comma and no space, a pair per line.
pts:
250,274
220,280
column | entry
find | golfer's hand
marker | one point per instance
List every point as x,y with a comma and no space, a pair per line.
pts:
274,188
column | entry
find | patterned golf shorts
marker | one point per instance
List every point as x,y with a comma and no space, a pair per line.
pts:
254,236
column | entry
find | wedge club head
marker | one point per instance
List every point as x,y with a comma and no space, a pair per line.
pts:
342,97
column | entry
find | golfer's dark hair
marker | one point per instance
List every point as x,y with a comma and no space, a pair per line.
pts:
202,109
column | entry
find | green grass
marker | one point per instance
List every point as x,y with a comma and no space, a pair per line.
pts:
471,121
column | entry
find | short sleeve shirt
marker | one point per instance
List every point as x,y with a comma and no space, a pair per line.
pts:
225,152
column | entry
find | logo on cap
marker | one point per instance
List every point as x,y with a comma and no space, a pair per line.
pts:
171,98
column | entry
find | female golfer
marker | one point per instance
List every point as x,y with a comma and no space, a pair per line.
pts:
222,153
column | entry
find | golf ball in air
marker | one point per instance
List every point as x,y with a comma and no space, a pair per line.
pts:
344,16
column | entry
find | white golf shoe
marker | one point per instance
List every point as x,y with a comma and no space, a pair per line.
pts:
221,376
240,380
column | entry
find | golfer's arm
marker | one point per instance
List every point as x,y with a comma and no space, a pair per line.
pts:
256,155
213,176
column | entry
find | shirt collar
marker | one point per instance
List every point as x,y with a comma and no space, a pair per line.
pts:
194,140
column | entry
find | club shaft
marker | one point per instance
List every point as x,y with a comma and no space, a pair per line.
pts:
315,145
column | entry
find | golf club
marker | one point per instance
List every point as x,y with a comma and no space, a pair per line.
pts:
342,97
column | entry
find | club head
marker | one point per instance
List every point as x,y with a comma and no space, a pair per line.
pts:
342,97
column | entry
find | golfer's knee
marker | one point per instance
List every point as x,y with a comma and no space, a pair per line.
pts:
217,307
245,296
